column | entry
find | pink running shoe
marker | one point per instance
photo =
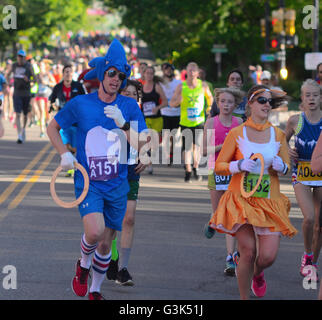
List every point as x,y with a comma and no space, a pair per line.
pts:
312,273
259,285
79,283
306,260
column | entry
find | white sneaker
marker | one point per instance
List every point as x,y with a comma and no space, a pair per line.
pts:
19,141
23,135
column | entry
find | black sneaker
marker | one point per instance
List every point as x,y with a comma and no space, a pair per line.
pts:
112,270
124,278
208,231
19,141
196,175
187,177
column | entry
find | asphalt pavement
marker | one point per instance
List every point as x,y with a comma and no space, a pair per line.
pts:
171,258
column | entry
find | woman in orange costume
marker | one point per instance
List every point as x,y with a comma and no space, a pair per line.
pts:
263,217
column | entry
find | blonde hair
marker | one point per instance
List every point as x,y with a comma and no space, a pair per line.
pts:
192,64
310,83
236,93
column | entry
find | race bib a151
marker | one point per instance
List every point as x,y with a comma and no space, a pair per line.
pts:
103,148
102,169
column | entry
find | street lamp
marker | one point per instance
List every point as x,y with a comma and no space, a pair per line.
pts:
283,73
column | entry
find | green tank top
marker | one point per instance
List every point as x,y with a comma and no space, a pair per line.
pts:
192,105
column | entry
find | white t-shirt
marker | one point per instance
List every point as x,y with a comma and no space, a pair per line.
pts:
169,89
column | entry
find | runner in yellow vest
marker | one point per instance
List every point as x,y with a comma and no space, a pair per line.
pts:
190,97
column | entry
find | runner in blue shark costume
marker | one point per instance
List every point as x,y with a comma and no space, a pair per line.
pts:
104,120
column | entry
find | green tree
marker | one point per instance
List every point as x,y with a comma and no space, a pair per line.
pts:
190,28
38,19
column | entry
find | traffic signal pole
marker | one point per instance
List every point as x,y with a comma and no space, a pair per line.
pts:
267,26
316,29
315,45
282,45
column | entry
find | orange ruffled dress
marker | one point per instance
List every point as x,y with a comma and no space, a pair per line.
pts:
266,215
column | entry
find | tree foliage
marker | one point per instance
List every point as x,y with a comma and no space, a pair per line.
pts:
38,19
191,28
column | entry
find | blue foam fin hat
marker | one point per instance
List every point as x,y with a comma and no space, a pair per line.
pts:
115,57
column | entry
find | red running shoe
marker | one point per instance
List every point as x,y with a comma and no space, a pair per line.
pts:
79,283
95,296
259,285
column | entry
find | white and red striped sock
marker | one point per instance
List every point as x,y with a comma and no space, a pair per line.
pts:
100,266
87,251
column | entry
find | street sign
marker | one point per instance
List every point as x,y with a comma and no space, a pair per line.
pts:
267,57
281,55
219,48
312,59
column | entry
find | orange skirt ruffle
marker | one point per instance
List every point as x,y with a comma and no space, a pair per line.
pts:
233,210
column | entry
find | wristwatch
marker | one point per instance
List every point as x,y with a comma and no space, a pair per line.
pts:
126,126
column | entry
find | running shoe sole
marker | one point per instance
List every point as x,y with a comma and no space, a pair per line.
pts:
230,272
128,283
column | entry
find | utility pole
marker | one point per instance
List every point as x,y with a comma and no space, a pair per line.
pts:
283,46
315,45
267,26
316,29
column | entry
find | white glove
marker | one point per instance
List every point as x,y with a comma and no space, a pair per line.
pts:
248,165
67,161
279,165
242,165
115,113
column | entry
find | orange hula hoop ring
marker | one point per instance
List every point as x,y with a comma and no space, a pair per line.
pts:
244,175
80,198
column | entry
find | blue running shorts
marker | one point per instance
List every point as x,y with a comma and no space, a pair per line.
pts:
112,204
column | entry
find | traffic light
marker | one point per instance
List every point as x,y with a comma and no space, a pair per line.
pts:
290,16
263,28
277,21
291,41
274,43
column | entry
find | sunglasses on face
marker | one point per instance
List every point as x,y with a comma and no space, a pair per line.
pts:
263,100
112,73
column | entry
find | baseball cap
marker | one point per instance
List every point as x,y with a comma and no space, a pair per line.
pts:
265,75
21,53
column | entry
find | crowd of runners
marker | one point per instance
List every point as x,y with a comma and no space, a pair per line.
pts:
181,113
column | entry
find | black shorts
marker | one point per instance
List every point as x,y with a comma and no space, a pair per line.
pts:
171,122
21,104
196,133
